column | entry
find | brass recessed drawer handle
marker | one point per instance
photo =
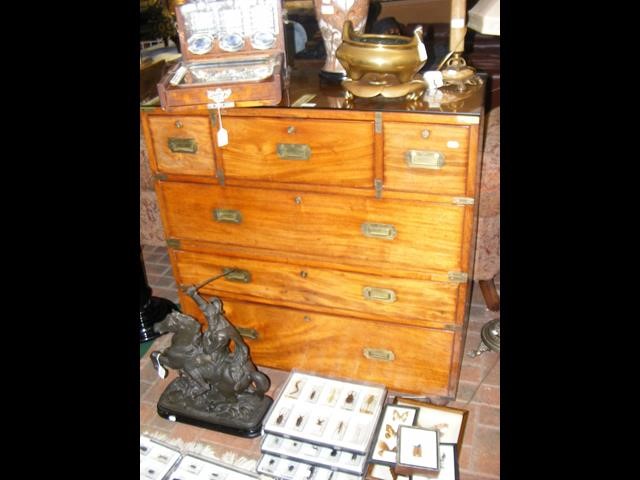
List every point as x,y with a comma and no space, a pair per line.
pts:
378,354
293,151
183,145
385,295
250,333
379,230
227,216
236,275
424,159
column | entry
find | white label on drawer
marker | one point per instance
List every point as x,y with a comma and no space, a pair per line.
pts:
453,144
327,9
457,22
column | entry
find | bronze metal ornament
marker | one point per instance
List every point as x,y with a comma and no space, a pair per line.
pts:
382,64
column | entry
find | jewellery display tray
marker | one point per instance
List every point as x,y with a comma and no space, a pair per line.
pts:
156,458
325,457
287,469
325,411
196,467
235,45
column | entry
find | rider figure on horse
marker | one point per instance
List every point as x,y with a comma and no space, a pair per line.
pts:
219,334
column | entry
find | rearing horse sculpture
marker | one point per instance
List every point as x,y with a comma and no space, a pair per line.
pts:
206,360
219,387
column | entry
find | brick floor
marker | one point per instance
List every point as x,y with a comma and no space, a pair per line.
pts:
480,455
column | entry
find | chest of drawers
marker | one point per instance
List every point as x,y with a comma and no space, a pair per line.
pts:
350,231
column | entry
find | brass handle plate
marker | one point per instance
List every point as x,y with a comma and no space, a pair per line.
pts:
183,145
385,295
378,354
379,230
236,275
424,159
293,151
227,216
250,333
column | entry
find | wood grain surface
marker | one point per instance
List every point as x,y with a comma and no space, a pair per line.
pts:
334,345
416,302
341,151
428,235
197,128
450,141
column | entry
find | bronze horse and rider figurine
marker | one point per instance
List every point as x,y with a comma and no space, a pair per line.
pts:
217,387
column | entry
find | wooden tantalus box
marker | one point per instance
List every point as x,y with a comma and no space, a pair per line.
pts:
232,51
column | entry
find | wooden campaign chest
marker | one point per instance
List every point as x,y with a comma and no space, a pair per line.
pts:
350,226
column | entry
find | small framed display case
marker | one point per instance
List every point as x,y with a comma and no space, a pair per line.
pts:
288,469
236,46
418,450
325,411
196,467
377,471
450,422
156,458
386,444
448,465
326,457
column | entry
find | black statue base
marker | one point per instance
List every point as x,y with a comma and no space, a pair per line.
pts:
332,77
242,416
154,311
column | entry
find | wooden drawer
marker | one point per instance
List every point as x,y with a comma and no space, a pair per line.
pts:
323,152
387,298
343,347
347,229
182,144
426,158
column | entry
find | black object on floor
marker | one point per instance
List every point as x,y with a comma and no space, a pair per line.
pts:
152,309
252,428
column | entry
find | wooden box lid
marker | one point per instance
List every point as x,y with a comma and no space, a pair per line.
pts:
229,29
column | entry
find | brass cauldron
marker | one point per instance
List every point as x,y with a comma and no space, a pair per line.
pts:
381,54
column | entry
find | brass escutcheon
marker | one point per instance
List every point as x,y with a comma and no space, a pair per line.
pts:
236,275
378,354
424,159
224,215
293,151
250,333
379,230
183,145
379,294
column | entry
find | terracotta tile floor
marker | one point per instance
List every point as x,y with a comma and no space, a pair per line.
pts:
478,391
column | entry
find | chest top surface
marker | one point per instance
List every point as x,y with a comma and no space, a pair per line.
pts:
304,90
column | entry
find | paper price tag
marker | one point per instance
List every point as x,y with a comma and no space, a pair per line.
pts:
433,79
223,137
422,52
178,76
327,9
